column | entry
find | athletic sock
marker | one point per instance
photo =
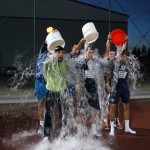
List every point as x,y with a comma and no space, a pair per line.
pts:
127,128
42,124
112,128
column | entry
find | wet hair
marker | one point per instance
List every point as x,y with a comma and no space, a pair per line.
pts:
125,53
91,46
72,45
59,48
112,50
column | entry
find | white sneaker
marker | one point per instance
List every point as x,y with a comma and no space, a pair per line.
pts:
45,139
40,130
94,131
97,134
111,133
79,131
130,131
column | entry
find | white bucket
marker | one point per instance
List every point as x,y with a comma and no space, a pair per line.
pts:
53,40
89,32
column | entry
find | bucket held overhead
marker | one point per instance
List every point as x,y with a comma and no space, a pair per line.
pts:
89,32
53,40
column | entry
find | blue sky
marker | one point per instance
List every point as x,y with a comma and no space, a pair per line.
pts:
139,12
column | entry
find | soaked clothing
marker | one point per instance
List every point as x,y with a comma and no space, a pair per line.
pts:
55,74
90,84
71,87
54,99
40,87
122,89
77,54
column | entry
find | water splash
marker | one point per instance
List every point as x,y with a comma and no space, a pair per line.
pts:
134,69
133,66
24,71
72,143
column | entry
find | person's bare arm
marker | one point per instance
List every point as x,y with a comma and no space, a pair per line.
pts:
80,44
106,53
124,46
78,47
108,80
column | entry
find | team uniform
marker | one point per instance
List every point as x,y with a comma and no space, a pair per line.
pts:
71,87
89,83
122,89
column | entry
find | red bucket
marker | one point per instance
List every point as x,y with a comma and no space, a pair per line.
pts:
118,37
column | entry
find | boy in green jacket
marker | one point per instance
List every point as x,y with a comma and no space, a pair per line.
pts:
55,72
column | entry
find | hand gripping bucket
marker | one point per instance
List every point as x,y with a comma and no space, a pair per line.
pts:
53,40
89,32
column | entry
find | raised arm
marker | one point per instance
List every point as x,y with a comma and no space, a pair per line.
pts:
78,46
124,46
106,53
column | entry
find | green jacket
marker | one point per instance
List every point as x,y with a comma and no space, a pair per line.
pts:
55,75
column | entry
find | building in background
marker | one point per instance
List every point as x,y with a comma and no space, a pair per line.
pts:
23,25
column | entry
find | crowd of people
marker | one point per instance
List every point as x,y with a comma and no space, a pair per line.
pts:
85,87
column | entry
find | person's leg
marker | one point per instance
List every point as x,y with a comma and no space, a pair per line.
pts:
48,118
94,119
41,104
112,118
117,115
106,118
40,94
106,125
93,101
126,117
65,115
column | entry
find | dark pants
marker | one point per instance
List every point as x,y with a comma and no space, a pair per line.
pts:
91,88
52,99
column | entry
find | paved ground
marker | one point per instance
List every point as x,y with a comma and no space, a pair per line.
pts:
19,122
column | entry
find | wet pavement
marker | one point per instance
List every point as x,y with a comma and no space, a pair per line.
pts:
19,123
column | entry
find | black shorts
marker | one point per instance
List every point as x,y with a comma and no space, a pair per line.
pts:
93,100
123,94
94,103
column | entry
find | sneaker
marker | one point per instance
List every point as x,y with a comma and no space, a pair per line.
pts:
40,130
45,139
106,126
111,133
130,131
94,131
118,125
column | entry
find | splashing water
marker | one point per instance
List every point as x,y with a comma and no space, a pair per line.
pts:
25,71
71,144
86,111
134,69
133,66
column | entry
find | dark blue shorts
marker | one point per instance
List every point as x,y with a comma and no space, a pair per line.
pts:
93,100
40,89
94,103
124,95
